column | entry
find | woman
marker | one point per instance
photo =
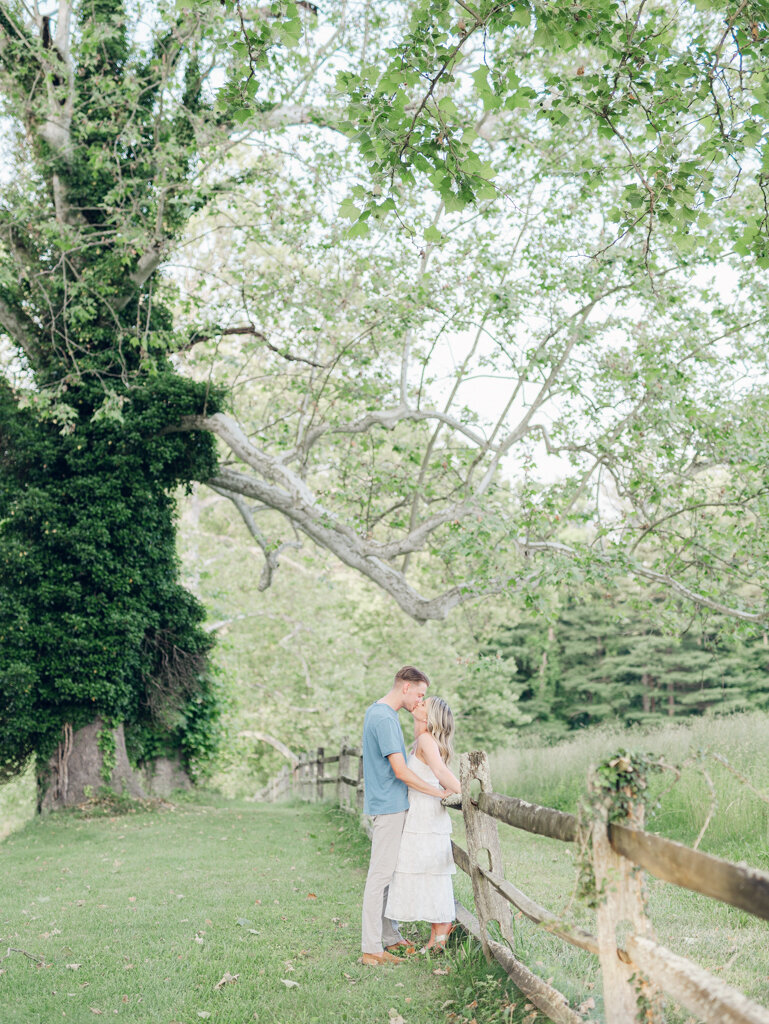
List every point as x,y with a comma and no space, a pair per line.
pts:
421,889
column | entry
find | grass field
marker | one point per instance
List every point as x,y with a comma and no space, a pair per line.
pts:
140,916
730,943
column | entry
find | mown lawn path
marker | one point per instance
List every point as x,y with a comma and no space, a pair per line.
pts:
139,917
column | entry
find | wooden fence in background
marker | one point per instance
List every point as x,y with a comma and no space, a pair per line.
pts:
635,969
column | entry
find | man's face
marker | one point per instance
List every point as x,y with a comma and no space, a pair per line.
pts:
414,694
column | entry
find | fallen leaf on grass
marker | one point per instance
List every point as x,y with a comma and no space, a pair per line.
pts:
441,970
395,1017
128,967
95,1010
204,1014
311,896
244,922
226,979
290,984
73,967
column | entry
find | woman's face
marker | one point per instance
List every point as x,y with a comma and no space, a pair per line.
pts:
420,717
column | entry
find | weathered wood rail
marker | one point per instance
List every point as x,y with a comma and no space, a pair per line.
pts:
636,970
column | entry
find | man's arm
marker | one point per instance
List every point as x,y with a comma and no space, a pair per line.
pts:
442,772
405,774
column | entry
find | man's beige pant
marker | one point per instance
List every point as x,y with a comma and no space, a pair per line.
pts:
378,930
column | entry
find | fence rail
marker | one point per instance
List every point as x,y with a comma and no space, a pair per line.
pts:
636,970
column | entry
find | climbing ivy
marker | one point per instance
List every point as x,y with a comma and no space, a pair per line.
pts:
93,620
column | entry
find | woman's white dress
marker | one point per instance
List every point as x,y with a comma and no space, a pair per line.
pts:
421,889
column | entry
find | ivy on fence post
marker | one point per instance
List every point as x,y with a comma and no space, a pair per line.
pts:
616,790
483,848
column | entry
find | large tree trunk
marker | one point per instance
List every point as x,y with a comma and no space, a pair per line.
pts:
75,771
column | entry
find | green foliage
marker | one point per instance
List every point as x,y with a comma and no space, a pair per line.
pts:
608,660
93,620
488,701
105,741
676,110
621,782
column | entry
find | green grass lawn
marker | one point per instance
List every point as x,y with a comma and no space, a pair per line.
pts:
140,916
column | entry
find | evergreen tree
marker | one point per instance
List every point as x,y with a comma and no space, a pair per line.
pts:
606,661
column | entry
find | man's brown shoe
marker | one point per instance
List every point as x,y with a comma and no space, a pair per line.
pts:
377,959
402,947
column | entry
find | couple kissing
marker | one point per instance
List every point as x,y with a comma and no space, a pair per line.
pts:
409,876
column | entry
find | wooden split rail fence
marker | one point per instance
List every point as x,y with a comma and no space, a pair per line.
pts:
636,970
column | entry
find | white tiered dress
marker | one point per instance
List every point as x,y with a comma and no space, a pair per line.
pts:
421,889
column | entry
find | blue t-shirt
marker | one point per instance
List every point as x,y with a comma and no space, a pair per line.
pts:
382,735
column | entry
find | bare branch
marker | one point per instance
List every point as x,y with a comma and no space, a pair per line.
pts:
664,580
251,331
271,553
279,745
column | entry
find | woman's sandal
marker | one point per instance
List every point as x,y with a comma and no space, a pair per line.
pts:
439,945
440,940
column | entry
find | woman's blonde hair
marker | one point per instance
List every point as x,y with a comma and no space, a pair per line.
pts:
440,725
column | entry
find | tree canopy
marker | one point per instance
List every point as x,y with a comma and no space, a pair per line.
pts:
342,219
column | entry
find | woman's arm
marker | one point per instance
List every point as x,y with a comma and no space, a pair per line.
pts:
428,749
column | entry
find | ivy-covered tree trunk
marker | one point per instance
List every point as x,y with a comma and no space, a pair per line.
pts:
102,654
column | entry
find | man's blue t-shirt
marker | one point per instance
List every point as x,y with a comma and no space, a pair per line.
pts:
382,735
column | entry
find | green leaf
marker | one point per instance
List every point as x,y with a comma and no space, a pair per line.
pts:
348,209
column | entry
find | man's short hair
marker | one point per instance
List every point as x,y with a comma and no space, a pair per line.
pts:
409,674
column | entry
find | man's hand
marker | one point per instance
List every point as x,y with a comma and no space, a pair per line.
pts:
412,780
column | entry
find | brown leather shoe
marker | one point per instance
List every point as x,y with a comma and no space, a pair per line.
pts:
377,959
402,947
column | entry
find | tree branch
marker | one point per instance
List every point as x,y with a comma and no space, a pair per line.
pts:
663,579
22,330
271,554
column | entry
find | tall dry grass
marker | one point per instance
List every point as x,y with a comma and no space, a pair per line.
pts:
556,776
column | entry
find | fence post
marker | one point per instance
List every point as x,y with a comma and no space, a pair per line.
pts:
483,845
359,797
302,775
321,771
629,997
339,774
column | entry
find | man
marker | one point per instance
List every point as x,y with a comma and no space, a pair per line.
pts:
386,781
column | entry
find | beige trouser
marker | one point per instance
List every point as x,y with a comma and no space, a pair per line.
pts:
379,931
